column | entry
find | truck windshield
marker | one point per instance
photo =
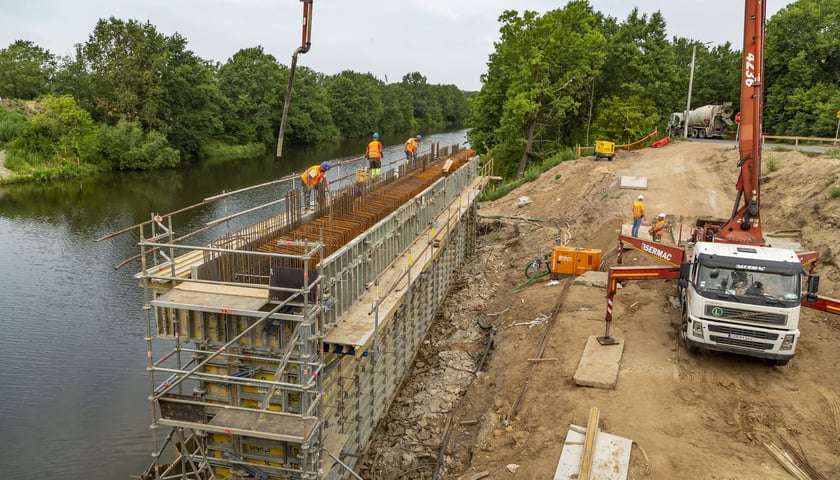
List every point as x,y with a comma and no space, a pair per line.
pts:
748,286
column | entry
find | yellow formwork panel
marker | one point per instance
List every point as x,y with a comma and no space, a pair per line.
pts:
222,472
220,438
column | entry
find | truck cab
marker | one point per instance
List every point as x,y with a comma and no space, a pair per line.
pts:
741,299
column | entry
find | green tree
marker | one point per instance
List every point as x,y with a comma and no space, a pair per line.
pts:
802,69
398,114
25,70
544,65
125,146
310,119
356,103
625,120
191,98
126,61
640,63
253,84
62,132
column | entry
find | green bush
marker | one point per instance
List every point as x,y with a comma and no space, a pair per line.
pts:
835,192
12,125
772,164
125,147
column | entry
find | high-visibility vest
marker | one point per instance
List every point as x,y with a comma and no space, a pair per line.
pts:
638,209
374,149
411,145
313,176
659,228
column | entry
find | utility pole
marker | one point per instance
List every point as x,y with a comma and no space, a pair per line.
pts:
688,100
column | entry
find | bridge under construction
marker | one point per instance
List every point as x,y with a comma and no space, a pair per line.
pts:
274,349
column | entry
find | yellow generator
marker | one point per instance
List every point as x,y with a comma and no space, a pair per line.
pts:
604,150
571,260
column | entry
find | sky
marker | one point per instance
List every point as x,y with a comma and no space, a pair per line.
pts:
447,41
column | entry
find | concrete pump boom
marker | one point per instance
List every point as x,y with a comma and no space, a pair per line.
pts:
305,43
745,224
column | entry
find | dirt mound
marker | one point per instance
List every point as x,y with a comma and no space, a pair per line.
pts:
702,416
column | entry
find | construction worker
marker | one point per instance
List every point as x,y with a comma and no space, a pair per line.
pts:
313,176
659,227
374,155
411,148
638,214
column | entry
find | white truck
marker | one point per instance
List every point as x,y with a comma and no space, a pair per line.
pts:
708,121
741,299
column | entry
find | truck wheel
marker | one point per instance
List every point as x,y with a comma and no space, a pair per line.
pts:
689,347
702,133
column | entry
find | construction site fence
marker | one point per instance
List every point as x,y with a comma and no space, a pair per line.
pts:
583,151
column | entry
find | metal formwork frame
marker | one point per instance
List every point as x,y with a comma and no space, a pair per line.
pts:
265,362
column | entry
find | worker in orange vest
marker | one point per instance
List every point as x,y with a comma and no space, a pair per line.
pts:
638,215
374,155
411,148
659,227
312,177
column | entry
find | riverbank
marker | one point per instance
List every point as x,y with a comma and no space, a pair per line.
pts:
4,172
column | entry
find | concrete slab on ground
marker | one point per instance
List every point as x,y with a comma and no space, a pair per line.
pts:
592,279
610,457
598,365
635,183
783,240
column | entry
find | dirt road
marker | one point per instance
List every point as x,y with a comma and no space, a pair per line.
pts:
703,416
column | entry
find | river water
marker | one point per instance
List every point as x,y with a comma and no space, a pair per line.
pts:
73,385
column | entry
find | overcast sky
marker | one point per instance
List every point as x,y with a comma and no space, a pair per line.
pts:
448,41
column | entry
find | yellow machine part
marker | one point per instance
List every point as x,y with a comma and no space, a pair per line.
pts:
571,260
604,148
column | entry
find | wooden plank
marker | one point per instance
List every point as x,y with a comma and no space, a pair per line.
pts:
214,297
589,443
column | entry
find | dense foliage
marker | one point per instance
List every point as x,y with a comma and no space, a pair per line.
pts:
133,98
572,76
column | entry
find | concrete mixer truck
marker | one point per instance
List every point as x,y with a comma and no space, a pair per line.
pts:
709,121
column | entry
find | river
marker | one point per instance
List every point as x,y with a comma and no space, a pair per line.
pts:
73,385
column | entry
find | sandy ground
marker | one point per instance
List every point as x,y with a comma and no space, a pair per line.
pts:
692,416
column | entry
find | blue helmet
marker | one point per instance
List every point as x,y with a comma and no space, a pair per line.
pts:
375,135
418,138
325,165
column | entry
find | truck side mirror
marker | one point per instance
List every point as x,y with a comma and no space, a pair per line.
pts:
685,274
813,287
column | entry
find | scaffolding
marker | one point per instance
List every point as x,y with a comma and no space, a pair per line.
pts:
284,342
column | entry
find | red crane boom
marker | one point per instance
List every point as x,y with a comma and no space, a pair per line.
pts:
745,224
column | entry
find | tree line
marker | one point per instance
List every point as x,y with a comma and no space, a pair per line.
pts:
573,75
131,97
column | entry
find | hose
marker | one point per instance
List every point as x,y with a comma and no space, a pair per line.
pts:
531,276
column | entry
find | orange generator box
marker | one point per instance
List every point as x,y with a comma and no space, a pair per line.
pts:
571,260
